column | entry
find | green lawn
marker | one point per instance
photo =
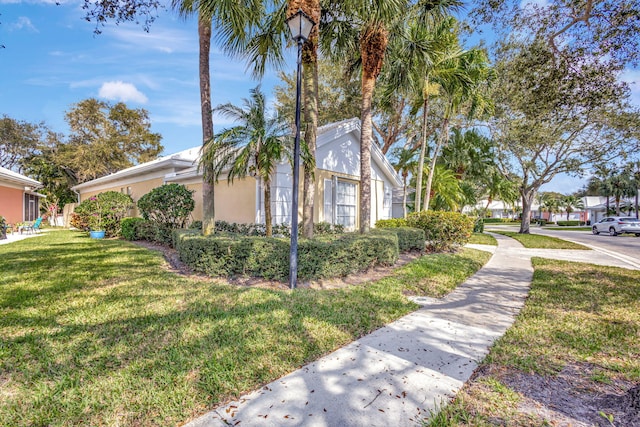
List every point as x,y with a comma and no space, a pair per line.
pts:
541,242
483,239
97,332
576,314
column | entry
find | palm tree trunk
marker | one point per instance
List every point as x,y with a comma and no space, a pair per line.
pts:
267,208
368,84
404,195
423,149
432,166
208,205
310,77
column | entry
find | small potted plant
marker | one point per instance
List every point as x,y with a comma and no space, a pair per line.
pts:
96,230
3,228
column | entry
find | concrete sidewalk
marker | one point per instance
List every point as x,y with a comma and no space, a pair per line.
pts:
400,373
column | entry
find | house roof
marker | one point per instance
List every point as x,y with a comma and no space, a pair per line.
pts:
185,162
333,131
9,176
182,159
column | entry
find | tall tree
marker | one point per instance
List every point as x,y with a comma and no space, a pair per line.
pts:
106,138
571,203
633,168
360,30
252,148
555,114
19,140
404,164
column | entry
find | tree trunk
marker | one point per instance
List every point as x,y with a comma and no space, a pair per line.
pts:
423,149
432,166
368,84
637,190
208,205
617,206
267,208
310,77
527,201
404,196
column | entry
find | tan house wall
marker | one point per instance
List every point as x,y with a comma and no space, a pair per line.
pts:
135,190
11,204
236,202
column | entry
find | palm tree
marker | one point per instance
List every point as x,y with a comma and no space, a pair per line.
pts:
404,164
266,46
360,30
570,203
253,148
424,54
621,186
233,20
633,168
460,93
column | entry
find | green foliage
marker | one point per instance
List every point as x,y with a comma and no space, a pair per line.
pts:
409,239
498,220
283,230
569,223
327,256
391,223
18,141
443,230
168,206
196,225
478,226
102,212
106,138
129,228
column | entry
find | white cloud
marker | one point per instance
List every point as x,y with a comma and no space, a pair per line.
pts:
23,23
120,91
160,39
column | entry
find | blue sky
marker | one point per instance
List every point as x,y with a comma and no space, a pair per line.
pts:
52,59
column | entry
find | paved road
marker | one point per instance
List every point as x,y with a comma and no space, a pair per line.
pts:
626,247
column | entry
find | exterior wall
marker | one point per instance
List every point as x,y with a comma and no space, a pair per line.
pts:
11,204
235,202
134,189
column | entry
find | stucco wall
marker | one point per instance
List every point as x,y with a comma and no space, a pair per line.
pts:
235,202
135,190
11,204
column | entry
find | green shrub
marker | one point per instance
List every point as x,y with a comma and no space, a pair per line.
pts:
443,230
196,225
129,228
409,239
569,223
499,220
391,223
227,254
169,206
540,221
281,230
478,226
103,212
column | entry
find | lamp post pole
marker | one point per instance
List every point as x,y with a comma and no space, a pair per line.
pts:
300,26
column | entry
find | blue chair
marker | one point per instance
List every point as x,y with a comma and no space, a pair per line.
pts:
33,228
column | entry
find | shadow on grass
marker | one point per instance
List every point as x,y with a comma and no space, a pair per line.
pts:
95,332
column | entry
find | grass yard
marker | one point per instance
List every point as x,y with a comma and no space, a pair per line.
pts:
483,239
542,242
98,332
580,323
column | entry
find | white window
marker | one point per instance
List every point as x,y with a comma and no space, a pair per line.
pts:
345,204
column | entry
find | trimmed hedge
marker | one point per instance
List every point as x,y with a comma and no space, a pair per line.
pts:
409,239
500,220
443,230
569,223
129,228
327,256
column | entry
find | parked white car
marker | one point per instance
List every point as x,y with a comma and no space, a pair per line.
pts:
615,225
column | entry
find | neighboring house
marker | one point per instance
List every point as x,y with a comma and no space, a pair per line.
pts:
500,209
18,200
337,180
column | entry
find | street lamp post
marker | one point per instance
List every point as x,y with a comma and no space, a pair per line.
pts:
300,25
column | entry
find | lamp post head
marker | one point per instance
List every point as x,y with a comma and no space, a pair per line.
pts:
300,25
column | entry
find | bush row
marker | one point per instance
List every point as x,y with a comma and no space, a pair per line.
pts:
499,220
228,254
569,223
443,230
